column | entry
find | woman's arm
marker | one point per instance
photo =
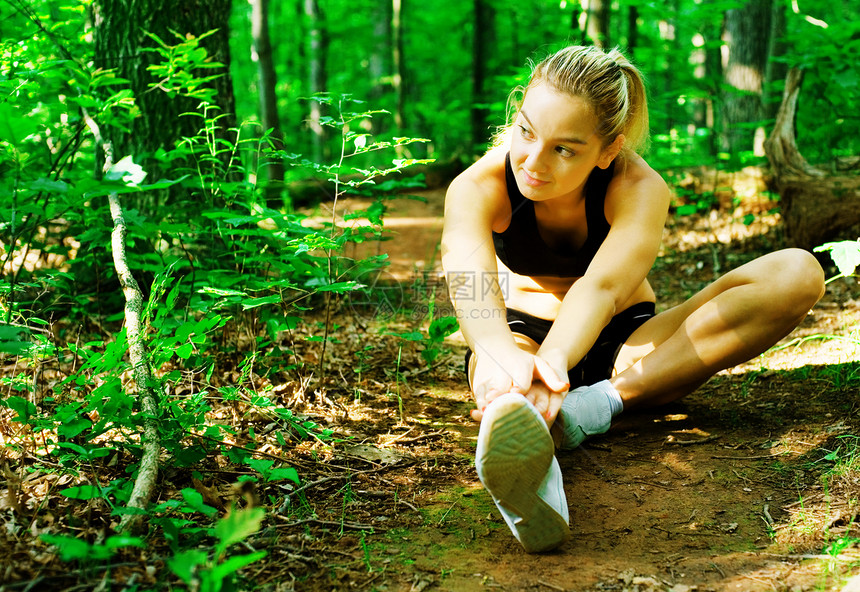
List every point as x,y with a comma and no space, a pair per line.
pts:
637,203
475,205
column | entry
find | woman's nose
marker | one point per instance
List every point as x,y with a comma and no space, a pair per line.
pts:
535,160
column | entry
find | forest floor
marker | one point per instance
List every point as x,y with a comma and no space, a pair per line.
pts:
751,483
747,484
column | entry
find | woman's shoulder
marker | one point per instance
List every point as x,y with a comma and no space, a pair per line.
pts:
483,184
476,203
635,186
488,172
632,169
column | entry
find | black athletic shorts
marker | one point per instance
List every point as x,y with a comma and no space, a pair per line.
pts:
599,362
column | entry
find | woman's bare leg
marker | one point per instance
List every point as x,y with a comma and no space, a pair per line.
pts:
736,318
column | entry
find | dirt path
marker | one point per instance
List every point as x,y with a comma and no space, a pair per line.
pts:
743,485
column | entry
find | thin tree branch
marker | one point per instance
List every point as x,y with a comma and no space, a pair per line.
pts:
144,484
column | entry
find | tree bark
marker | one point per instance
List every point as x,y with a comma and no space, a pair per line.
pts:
746,35
119,40
317,49
670,38
398,65
266,85
816,207
781,147
776,69
482,40
596,28
381,55
632,29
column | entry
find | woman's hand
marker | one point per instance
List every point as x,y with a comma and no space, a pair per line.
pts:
549,387
500,372
517,371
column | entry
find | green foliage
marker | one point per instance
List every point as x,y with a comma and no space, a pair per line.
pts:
827,118
177,72
74,549
438,330
234,284
845,254
217,262
214,571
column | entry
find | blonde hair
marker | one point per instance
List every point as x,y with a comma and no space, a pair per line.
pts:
612,85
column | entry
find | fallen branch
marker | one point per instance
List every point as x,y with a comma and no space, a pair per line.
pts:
343,525
671,440
147,473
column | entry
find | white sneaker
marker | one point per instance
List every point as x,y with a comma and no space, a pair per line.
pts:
515,461
586,411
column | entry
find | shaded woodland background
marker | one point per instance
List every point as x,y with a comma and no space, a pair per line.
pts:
180,290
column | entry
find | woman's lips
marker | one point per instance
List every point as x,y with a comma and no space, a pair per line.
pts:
532,181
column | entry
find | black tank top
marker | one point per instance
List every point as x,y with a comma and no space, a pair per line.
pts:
521,247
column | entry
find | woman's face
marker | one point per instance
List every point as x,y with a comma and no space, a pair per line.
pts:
555,145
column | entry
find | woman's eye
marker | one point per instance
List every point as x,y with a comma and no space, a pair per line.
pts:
525,132
565,151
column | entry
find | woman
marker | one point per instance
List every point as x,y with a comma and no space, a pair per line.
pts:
547,244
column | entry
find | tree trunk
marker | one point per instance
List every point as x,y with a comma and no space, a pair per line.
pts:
816,207
785,158
746,34
670,38
119,40
632,29
482,40
398,78
317,50
597,22
266,83
379,63
776,69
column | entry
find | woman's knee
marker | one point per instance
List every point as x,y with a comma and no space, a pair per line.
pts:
797,278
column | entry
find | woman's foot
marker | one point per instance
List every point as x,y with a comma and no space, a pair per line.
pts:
515,461
586,411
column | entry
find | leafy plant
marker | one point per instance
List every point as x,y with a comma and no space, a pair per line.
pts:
845,254
213,571
74,549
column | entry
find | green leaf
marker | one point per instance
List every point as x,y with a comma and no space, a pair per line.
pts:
82,492
443,327
11,341
255,302
184,564
194,500
25,408
845,254
73,447
126,171
339,287
49,186
220,292
118,541
411,336
238,525
185,350
282,473
70,548
191,455
235,563
74,427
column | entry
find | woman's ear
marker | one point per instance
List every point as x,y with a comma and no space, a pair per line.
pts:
609,153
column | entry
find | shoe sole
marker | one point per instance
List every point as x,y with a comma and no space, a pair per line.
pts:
516,452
